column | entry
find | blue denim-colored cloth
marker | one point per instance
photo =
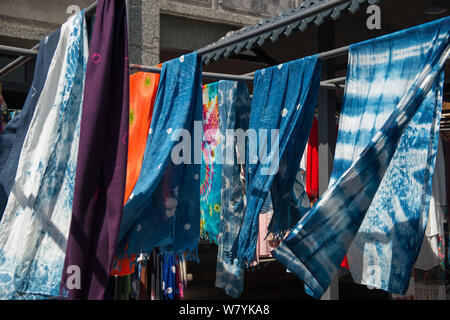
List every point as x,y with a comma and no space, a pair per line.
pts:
13,135
317,245
284,99
234,112
164,208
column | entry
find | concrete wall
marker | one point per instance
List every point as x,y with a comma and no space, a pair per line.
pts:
34,19
154,24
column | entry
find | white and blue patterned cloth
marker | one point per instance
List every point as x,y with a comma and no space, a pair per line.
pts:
283,104
392,109
234,110
35,225
164,208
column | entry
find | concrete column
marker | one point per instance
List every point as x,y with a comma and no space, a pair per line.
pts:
144,31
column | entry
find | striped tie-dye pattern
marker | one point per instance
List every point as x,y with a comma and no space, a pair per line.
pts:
315,248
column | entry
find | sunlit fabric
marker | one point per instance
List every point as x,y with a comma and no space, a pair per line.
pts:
391,110
164,207
282,111
35,225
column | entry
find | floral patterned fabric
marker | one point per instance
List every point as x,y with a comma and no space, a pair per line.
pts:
211,169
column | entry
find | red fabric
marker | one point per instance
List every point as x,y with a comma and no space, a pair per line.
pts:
312,163
344,263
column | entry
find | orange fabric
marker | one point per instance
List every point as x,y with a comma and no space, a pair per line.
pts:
143,87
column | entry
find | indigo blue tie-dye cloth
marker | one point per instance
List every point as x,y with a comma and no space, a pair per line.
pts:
164,207
282,111
234,112
392,101
35,225
12,137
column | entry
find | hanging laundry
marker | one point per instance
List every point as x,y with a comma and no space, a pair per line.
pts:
13,135
143,88
234,112
319,242
102,157
429,254
283,104
163,211
312,163
211,169
35,225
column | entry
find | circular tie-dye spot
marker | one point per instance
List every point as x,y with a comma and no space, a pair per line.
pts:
96,58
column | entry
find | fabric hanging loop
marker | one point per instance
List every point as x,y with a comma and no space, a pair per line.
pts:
314,249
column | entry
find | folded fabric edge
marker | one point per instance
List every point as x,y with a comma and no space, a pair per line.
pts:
285,256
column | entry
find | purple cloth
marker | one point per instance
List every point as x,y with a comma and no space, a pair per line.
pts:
102,156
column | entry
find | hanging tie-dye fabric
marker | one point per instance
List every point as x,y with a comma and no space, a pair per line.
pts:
11,139
211,169
162,210
394,96
234,112
35,225
282,111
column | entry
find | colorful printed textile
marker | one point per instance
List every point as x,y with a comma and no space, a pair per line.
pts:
319,242
282,112
12,137
35,225
234,112
102,156
163,211
211,169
